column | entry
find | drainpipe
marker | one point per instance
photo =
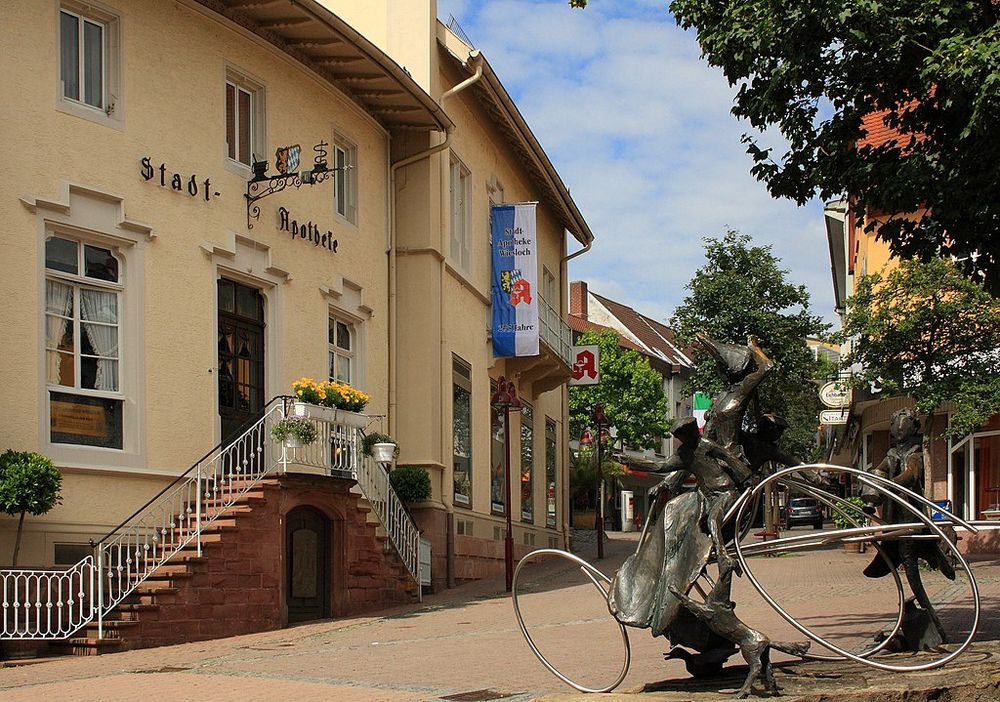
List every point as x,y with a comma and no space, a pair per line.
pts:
475,59
390,249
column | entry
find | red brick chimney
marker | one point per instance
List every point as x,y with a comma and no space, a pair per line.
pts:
578,299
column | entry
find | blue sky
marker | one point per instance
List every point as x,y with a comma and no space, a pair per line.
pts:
640,129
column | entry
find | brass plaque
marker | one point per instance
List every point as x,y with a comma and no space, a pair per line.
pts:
79,420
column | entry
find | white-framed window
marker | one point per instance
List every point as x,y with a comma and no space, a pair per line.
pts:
460,193
345,186
343,351
89,60
83,305
244,119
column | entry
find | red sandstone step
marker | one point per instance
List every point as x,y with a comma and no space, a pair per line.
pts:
85,646
112,628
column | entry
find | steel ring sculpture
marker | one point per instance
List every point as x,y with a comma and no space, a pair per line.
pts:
890,490
596,577
907,499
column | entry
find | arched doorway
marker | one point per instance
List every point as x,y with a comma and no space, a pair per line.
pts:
307,554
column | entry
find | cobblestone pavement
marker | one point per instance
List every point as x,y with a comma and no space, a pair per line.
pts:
466,640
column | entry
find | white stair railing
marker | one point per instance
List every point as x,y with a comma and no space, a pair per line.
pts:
178,516
402,530
46,604
54,604
338,451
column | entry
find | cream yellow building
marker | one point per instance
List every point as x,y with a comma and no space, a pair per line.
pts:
151,308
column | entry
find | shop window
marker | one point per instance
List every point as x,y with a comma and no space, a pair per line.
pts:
460,192
550,472
461,413
498,456
345,189
342,351
89,59
82,340
527,462
244,119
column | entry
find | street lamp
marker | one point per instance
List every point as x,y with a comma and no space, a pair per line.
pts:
600,420
505,398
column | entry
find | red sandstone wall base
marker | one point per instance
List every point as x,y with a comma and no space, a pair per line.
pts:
239,585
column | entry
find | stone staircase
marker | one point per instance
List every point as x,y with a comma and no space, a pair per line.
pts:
237,585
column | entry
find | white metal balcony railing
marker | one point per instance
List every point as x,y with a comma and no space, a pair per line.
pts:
555,332
53,604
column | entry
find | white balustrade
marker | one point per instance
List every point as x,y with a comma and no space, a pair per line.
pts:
54,604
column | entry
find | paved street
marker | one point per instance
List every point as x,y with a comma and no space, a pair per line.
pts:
466,640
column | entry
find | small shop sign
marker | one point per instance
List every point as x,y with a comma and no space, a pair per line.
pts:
833,417
835,395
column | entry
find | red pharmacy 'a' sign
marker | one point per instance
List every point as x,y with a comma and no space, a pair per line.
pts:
586,365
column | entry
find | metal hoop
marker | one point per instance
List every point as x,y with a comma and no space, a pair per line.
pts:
889,489
805,542
596,577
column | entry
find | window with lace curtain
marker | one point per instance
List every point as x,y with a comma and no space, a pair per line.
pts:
83,289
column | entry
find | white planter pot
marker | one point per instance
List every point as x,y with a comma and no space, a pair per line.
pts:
293,442
383,453
338,416
300,409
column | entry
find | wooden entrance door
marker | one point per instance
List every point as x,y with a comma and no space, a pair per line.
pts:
241,355
307,553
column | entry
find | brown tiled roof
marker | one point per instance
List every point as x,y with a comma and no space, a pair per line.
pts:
657,337
578,324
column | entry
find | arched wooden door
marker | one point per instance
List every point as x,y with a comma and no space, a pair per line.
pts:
307,554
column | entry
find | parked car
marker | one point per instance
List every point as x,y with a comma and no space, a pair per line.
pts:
804,510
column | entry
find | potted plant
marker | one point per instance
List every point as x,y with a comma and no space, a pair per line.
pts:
381,447
851,507
344,401
294,431
411,483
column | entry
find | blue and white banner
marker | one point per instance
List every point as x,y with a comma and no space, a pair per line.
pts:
515,277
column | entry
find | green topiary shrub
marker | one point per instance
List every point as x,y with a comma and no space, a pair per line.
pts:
411,483
29,484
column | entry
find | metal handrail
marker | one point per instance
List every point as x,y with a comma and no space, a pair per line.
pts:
178,515
283,398
54,604
338,450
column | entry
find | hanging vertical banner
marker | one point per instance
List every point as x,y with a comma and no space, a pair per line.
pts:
515,274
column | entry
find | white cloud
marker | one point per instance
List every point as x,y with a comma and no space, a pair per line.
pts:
640,129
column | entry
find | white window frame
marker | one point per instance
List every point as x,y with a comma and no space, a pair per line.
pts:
345,183
241,82
460,191
78,282
110,111
335,352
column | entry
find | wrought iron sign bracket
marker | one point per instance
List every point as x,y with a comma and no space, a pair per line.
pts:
261,185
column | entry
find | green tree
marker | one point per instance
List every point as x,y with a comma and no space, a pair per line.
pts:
927,331
630,390
29,484
813,69
742,290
